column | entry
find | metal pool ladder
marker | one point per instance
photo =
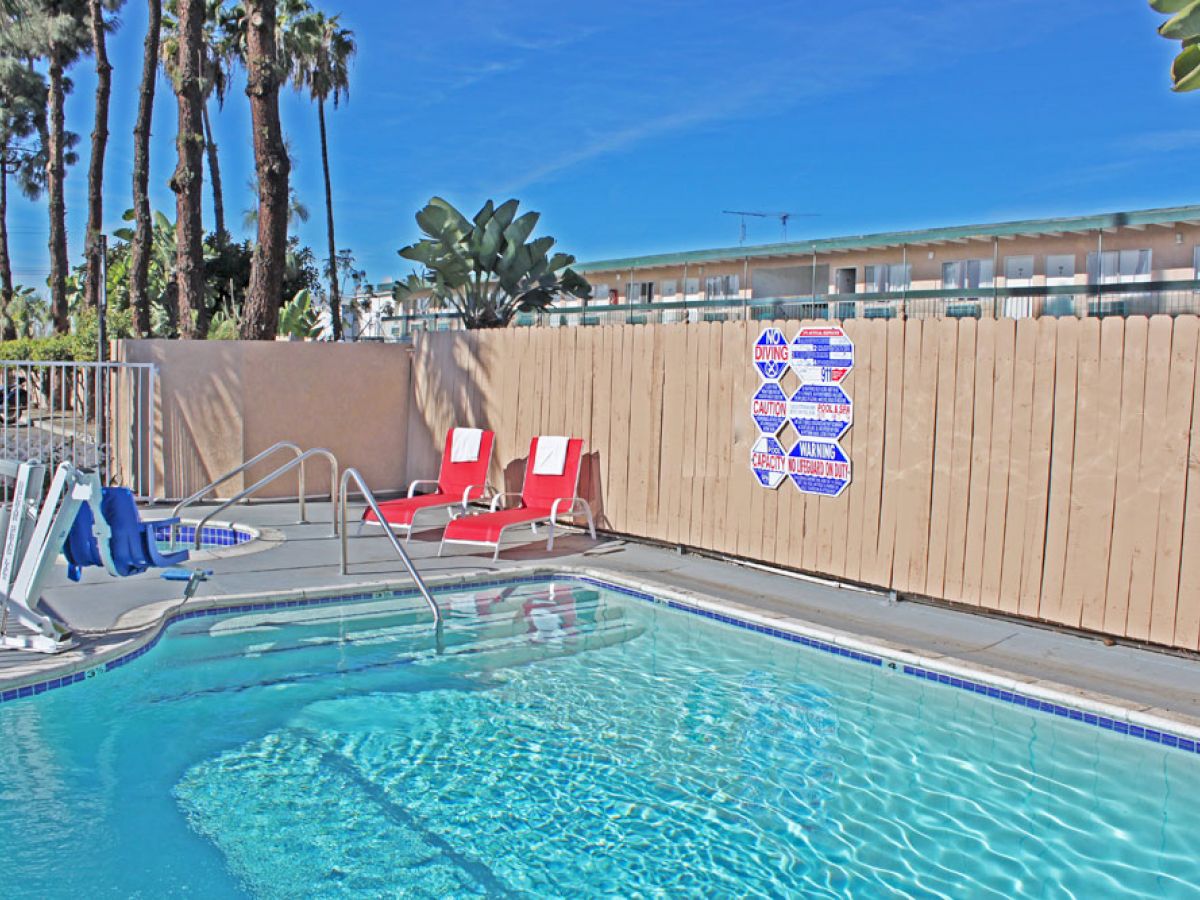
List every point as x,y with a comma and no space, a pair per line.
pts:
396,545
237,470
276,473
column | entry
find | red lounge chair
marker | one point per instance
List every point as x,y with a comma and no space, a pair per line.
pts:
543,498
456,485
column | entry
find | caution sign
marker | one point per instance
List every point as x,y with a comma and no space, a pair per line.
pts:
769,407
820,411
818,467
821,353
771,354
769,461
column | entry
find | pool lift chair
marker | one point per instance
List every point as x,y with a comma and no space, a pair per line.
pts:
90,524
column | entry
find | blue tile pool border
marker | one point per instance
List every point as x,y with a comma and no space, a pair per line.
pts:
980,688
211,536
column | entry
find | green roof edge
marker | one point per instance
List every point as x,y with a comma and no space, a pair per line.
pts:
863,241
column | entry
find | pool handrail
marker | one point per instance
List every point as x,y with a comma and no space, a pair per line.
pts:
343,493
275,473
258,457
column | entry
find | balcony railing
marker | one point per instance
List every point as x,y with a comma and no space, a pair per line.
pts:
1078,300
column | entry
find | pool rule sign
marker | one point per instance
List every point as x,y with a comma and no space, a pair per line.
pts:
819,409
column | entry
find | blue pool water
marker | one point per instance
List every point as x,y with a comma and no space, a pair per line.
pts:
570,742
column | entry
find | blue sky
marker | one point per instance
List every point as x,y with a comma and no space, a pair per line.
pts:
631,125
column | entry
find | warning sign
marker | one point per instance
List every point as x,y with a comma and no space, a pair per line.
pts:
771,354
769,407
818,467
821,353
769,462
820,411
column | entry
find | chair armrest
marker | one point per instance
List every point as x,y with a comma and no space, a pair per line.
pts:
500,497
484,488
571,502
412,488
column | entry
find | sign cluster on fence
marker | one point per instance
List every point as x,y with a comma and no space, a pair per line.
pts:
818,412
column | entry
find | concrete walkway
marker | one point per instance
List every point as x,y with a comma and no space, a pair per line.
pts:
306,557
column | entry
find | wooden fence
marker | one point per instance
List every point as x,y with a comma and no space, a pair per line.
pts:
1045,468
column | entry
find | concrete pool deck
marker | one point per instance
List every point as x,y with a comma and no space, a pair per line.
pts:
113,615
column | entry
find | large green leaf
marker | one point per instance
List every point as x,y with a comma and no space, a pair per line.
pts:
1184,24
520,229
1185,70
1169,6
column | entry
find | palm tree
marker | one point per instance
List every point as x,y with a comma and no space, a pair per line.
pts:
188,180
323,67
55,31
263,75
22,118
219,52
140,250
95,217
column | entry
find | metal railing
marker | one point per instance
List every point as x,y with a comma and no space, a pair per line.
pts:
1058,301
95,415
272,476
237,470
369,497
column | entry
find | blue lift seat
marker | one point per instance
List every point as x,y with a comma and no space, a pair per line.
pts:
133,545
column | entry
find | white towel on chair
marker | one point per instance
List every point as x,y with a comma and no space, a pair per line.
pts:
551,455
464,445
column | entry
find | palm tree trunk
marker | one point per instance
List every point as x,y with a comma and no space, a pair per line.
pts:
95,219
143,236
6,278
260,320
214,171
188,180
55,174
335,302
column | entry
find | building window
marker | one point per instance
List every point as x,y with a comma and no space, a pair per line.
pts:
667,293
1018,270
721,287
691,289
1118,266
640,292
887,279
1060,268
599,294
968,274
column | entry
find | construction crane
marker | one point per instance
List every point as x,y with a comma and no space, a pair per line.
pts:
781,216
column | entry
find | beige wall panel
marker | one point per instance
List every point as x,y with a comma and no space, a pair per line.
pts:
1017,495
1061,466
943,459
893,434
1187,621
981,447
1173,489
1038,494
1132,400
874,345
1100,498
1154,461
960,478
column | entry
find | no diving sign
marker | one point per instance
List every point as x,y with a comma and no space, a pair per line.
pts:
821,353
771,354
819,467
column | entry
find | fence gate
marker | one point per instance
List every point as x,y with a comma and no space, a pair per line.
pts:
98,415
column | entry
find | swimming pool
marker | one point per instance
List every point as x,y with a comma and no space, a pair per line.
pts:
571,741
